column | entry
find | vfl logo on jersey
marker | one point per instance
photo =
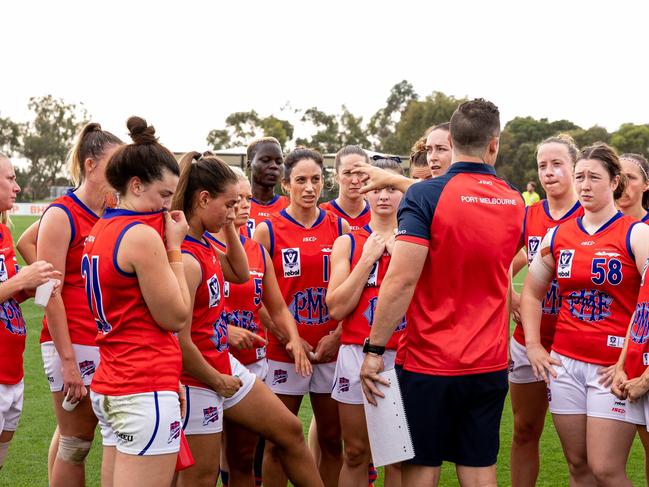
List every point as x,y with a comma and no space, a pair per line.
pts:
251,226
210,415
3,269
564,271
280,377
615,342
640,324
12,317
371,311
589,304
373,277
291,262
174,431
87,368
645,359
644,271
243,319
226,289
343,384
220,333
308,307
533,246
214,289
552,302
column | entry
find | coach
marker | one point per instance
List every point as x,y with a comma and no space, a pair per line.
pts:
457,236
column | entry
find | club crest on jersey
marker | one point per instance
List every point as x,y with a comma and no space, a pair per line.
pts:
309,307
343,384
589,304
373,277
291,262
220,333
12,317
564,269
280,377
533,246
552,302
226,289
174,431
210,415
214,289
87,368
371,311
640,325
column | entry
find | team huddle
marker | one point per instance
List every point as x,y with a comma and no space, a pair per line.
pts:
193,309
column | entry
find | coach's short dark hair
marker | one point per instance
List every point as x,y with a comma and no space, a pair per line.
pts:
473,125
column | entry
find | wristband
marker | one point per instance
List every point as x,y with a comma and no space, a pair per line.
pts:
174,256
375,349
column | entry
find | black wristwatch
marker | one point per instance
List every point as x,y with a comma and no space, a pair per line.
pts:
375,349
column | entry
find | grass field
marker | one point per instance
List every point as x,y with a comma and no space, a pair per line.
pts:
26,465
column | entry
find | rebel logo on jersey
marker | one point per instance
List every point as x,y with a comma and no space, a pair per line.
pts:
564,270
291,262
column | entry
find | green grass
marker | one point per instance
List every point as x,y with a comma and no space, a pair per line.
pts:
26,464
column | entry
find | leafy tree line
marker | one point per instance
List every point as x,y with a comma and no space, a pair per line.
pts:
393,128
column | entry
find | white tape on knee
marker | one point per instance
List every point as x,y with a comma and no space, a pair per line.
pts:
4,448
73,450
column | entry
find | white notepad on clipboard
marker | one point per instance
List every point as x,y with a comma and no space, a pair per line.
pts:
387,427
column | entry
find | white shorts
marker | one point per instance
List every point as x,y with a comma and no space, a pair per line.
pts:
577,390
347,379
247,382
520,370
638,412
87,361
11,405
282,379
139,424
204,415
259,368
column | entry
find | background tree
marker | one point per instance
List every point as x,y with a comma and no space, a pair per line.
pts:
631,138
242,127
383,123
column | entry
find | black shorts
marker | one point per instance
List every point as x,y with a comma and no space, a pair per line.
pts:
454,418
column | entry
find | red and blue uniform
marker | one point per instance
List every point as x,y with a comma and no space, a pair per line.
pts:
357,325
209,320
242,301
537,223
137,356
637,352
81,324
599,284
301,257
260,212
12,324
458,319
355,223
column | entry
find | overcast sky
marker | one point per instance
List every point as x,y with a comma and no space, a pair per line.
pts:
186,65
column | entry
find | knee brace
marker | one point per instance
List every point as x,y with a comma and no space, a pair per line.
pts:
4,448
73,450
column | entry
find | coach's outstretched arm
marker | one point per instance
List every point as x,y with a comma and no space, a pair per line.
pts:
536,285
394,298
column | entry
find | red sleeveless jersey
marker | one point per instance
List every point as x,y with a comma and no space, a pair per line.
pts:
637,356
12,323
260,212
209,324
358,324
537,223
137,355
301,257
242,301
81,323
599,284
354,223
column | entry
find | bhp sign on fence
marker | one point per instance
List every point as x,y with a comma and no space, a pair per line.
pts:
34,209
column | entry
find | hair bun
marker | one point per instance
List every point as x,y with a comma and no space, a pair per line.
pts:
140,132
92,127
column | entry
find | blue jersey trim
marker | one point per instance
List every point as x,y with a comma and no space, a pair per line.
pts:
73,230
119,241
271,235
367,228
628,240
189,238
340,226
473,167
76,199
546,208
211,237
317,221
339,209
263,255
157,423
187,407
613,219
113,212
274,200
645,218
351,251
554,235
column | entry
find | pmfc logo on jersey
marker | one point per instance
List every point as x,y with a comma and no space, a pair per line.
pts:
564,270
12,317
243,319
174,431
280,377
533,246
214,289
589,304
308,307
371,311
87,368
552,302
220,333
210,415
640,324
291,262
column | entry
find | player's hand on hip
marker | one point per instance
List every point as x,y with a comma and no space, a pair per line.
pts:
182,399
327,348
541,362
175,229
372,366
619,378
607,374
516,306
227,385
